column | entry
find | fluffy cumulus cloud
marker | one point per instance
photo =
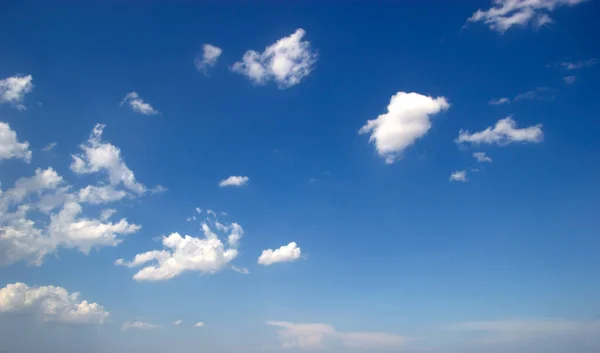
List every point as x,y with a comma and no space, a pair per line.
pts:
208,58
138,105
52,304
100,156
460,175
10,147
407,119
504,132
139,325
13,90
319,336
206,255
481,157
234,181
505,14
26,236
287,61
286,253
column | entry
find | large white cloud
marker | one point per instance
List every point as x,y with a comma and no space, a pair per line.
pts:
206,255
102,156
505,14
318,336
10,147
286,253
407,119
13,90
210,54
138,105
54,304
504,132
286,61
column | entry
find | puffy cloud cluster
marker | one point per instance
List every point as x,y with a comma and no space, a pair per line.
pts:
286,253
286,61
53,304
10,147
234,181
206,255
481,157
407,119
504,132
13,90
25,236
460,175
317,336
507,13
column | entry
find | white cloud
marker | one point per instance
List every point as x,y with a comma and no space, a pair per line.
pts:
569,80
138,105
234,181
286,61
139,325
178,322
13,90
107,214
460,175
10,147
158,189
481,157
100,194
406,121
507,13
540,93
199,324
50,146
54,304
504,132
210,54
206,255
500,101
241,270
581,64
286,253
102,156
198,210
317,336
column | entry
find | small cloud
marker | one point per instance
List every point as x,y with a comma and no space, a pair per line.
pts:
581,64
241,270
138,105
503,133
158,189
569,80
286,253
50,146
198,210
139,325
178,322
502,100
199,324
481,157
234,181
107,214
460,175
13,90
208,58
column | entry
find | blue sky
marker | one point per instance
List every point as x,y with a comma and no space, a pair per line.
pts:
419,176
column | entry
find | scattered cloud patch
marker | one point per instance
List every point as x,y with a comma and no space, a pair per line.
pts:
208,58
505,14
107,214
50,146
178,322
500,101
407,119
139,325
569,80
504,132
13,90
540,93
206,255
158,189
481,157
234,181
287,61
241,270
286,253
199,324
53,304
319,336
581,64
460,175
137,104
102,156
10,147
